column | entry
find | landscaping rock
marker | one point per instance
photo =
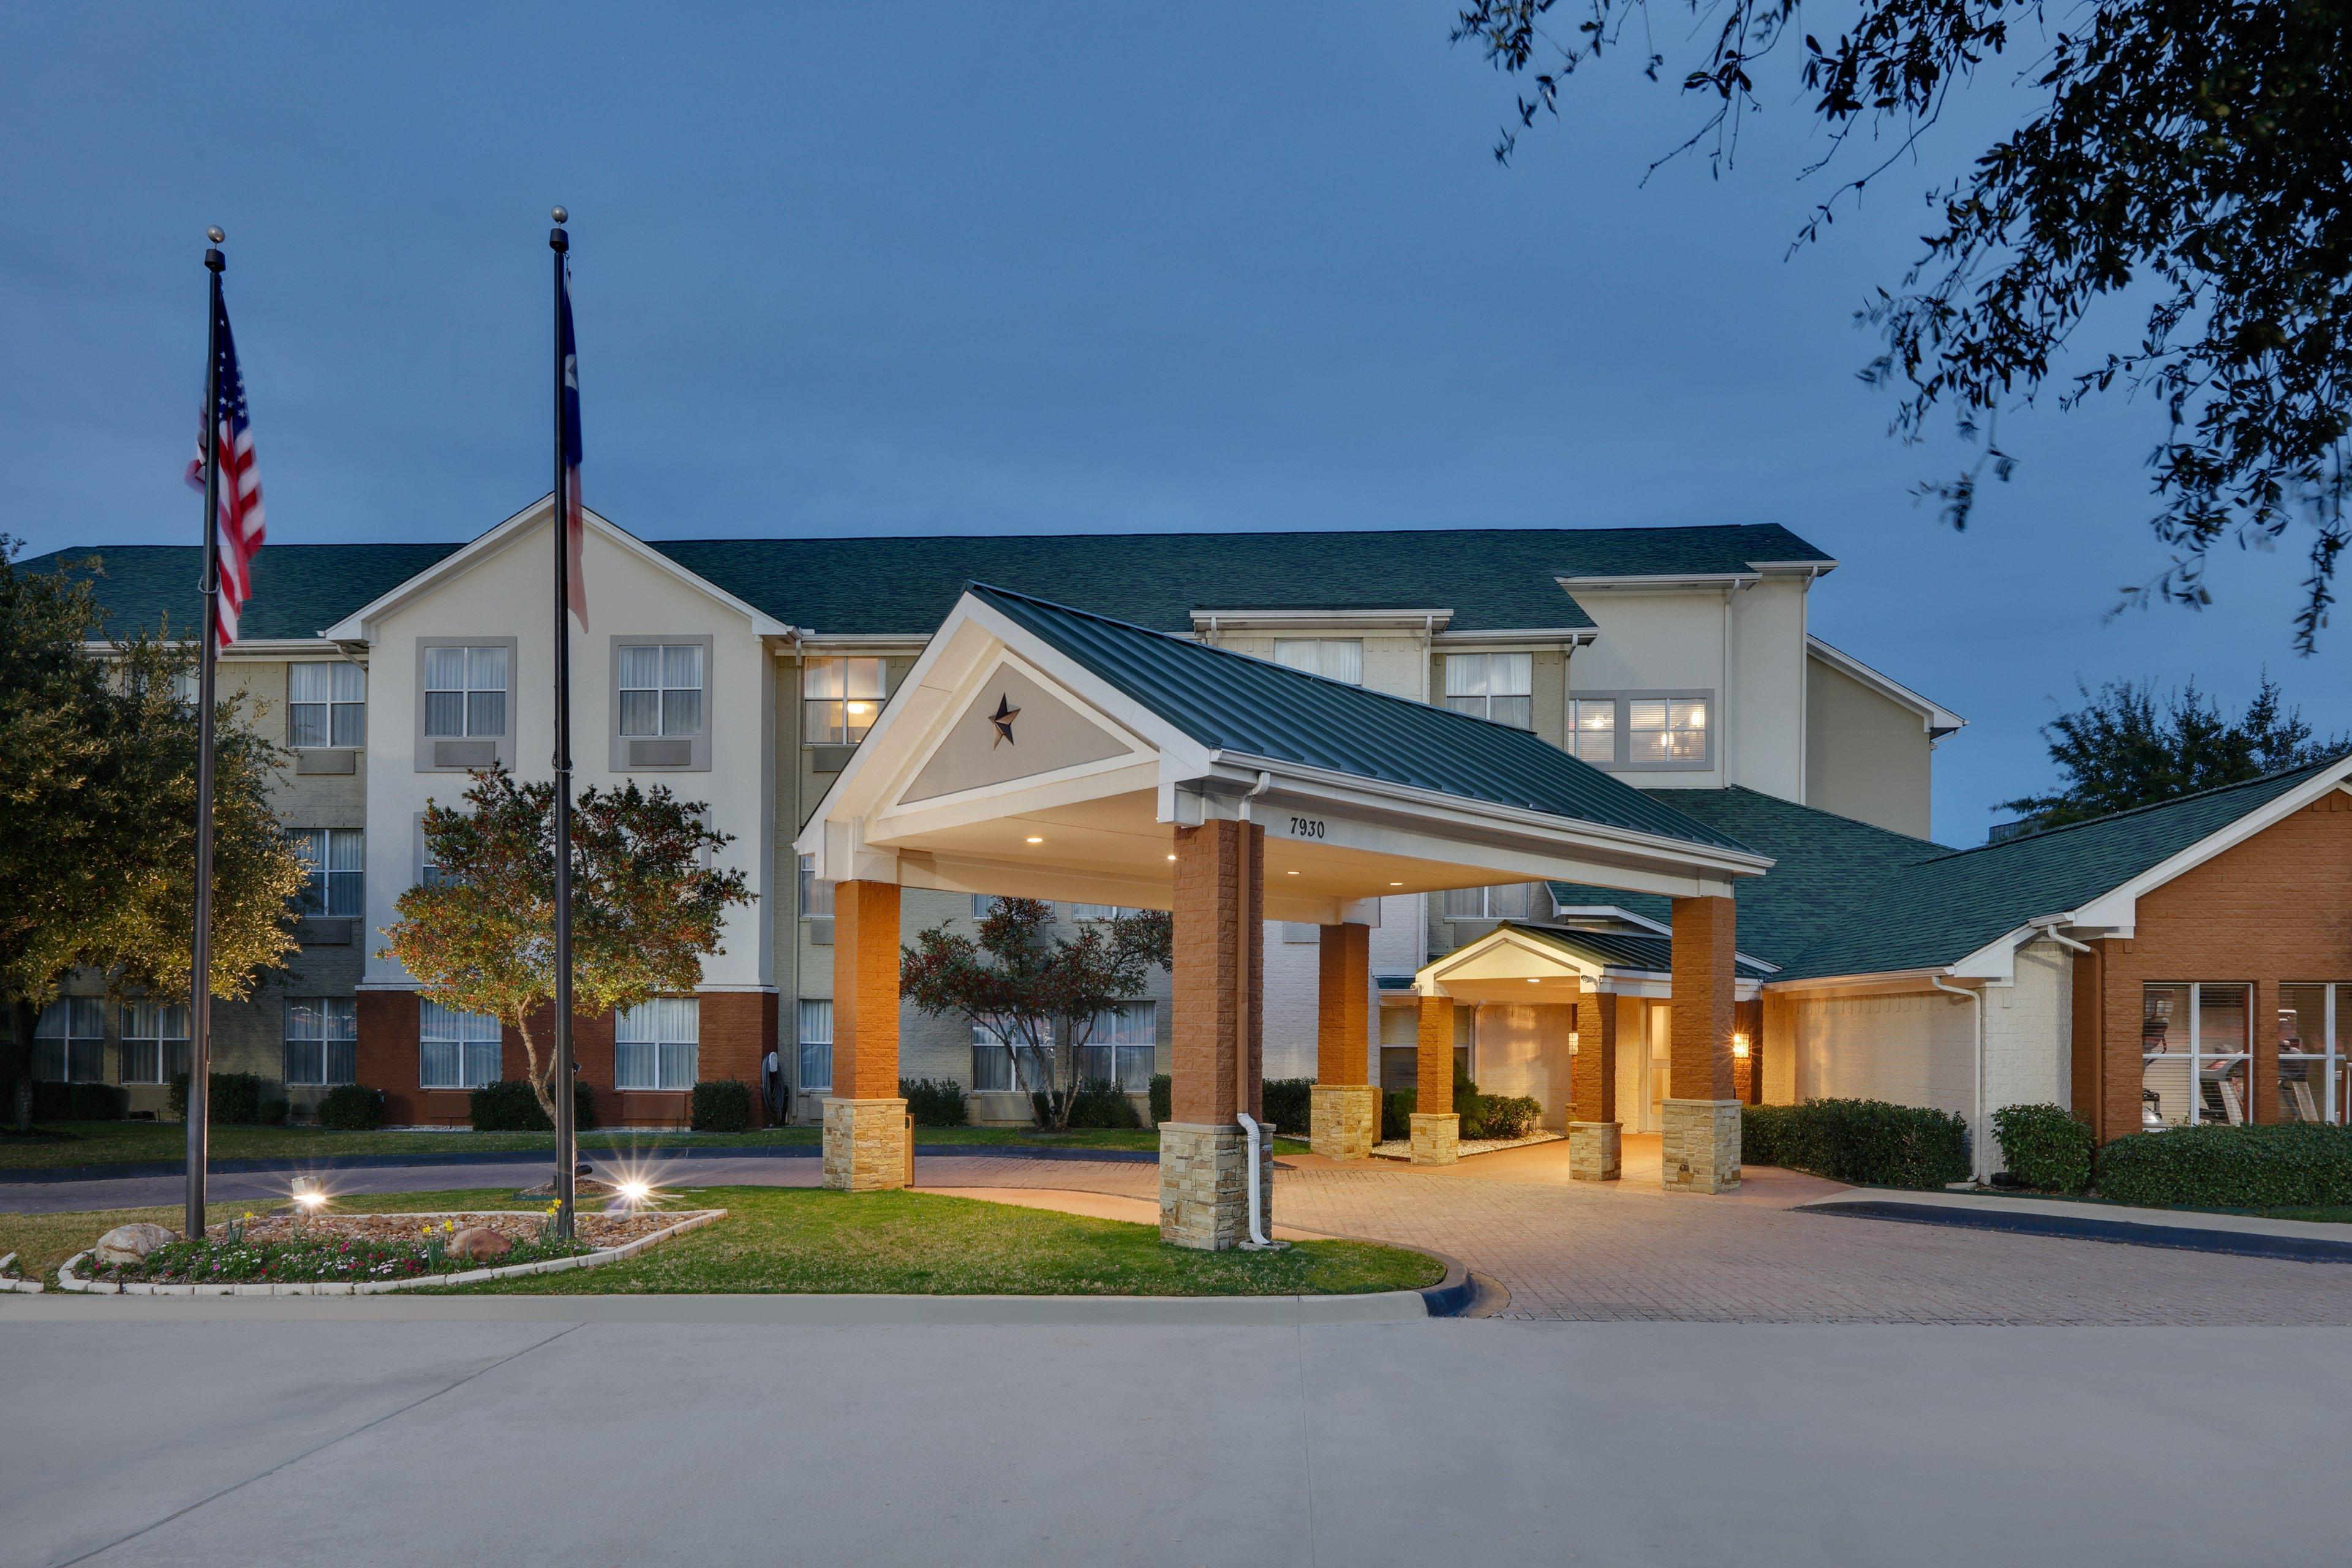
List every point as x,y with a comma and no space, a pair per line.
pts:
479,1244
132,1243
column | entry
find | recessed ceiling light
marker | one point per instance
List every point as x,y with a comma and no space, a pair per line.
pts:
1534,979
1392,884
1034,839
1172,856
1290,873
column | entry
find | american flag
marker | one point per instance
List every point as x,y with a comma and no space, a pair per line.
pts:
574,533
238,522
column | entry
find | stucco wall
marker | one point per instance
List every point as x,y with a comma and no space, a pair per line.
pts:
1913,1048
1867,756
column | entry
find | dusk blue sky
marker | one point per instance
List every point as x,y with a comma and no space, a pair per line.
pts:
1035,269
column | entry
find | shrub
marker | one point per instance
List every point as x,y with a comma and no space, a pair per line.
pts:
275,1111
1099,1103
235,1098
722,1105
1163,1097
509,1106
1506,1115
1287,1103
2295,1165
1396,1113
935,1101
78,1102
352,1107
1867,1142
2044,1147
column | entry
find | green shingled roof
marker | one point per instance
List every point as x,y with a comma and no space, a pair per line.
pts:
1492,579
1622,950
1232,702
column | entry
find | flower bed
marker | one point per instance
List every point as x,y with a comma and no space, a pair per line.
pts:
368,1253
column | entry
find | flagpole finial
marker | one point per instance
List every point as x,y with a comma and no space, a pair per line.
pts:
562,217
215,235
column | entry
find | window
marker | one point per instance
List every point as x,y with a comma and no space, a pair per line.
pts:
816,894
1592,730
983,905
2312,1077
322,1041
1496,686
1508,901
661,688
1641,730
840,697
1100,911
2195,1067
335,857
154,1041
465,692
994,1070
1333,658
1124,1046
187,688
326,705
654,1044
69,1041
456,1050
814,1069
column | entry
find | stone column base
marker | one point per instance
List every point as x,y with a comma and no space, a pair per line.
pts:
1596,1151
1436,1140
1204,1185
1345,1119
865,1145
1699,1145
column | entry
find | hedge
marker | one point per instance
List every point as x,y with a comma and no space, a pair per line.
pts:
1098,1103
73,1102
1163,1097
2294,1165
722,1105
2044,1147
352,1107
1869,1143
1288,1104
509,1106
935,1101
236,1099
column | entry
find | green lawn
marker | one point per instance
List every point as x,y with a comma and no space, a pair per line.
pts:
794,1239
120,1142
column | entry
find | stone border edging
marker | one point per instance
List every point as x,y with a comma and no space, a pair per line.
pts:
2129,1233
694,1220
9,1282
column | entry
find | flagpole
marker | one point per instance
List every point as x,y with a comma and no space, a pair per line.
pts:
566,1135
200,1011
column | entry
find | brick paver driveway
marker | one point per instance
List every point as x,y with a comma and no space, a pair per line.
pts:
1627,1250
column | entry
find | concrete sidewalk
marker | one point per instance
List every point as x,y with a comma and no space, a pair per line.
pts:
2190,1230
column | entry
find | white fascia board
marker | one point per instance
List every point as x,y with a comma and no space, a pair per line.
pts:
244,648
1939,719
2117,907
809,642
1893,979
1795,568
1519,636
1612,911
1664,581
354,627
1278,619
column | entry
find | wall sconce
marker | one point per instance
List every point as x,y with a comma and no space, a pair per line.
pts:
1739,1047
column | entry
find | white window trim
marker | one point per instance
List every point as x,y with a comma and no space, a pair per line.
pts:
329,743
502,745
658,1043
1625,701
697,744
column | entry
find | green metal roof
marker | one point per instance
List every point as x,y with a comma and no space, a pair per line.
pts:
1232,703
1623,949
1492,579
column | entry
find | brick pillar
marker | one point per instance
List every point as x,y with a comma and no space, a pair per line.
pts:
1436,1129
2262,1087
1346,1108
1595,1136
1218,1058
1699,1148
864,1118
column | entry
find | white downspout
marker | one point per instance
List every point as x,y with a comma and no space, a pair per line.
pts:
1254,1135
1976,1127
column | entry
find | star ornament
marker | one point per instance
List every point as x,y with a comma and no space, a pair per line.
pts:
1002,718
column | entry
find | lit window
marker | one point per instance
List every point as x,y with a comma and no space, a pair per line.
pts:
2195,1064
841,697
1496,686
334,859
1333,658
326,704
69,1041
2312,1072
655,1044
661,688
465,691
1592,729
456,1050
1123,1048
154,1041
1508,901
1665,730
322,1041
816,1066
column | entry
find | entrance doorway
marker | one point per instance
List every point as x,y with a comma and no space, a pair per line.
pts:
1657,1030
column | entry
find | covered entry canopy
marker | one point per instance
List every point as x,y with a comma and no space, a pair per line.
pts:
1526,965
1043,751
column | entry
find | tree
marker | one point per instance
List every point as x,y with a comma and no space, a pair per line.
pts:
2195,155
1038,993
645,904
2124,748
97,784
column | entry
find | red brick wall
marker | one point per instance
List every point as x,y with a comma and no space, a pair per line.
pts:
1702,1006
1219,1002
2278,907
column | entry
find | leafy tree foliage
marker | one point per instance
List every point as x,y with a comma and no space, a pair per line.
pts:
98,790
645,905
1038,991
2192,155
2126,747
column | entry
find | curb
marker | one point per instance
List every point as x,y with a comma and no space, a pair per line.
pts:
69,1280
2128,1233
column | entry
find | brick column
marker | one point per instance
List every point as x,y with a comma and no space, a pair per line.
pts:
1699,1148
864,1118
1217,1061
1345,1108
1595,1136
2263,1085
1436,1129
